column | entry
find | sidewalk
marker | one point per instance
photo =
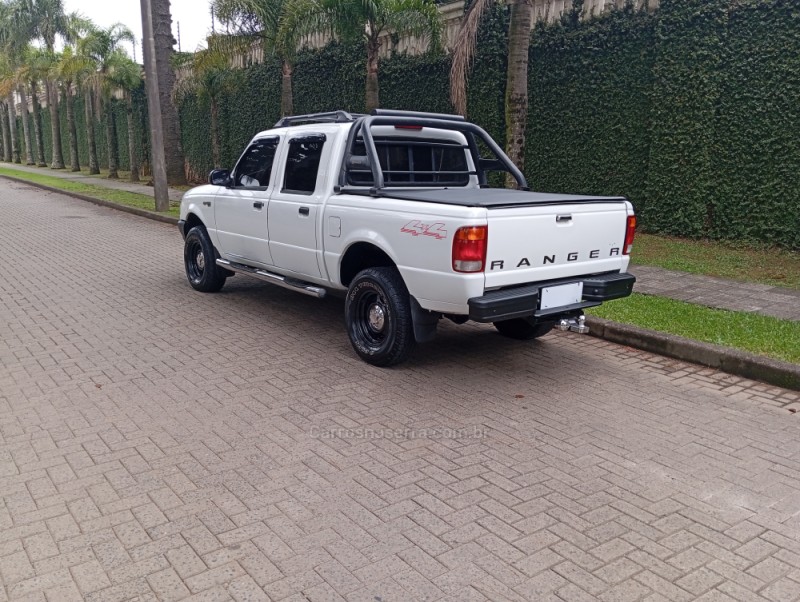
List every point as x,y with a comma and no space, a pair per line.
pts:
63,174
774,301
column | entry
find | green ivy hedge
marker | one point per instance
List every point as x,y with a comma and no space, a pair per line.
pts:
691,111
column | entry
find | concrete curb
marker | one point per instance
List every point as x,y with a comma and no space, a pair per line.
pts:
732,361
740,363
111,205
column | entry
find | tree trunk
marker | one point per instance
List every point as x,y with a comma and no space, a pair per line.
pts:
55,126
12,124
113,155
164,42
372,100
26,126
41,161
6,134
91,140
74,161
215,132
134,160
519,41
287,95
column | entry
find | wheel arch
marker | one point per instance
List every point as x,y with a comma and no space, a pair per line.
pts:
359,256
192,221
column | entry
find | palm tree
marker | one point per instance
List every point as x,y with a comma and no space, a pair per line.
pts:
367,21
14,36
260,21
516,101
70,68
209,77
102,47
38,64
7,85
126,75
6,133
164,51
46,21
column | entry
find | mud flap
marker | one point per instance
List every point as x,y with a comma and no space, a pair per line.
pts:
424,322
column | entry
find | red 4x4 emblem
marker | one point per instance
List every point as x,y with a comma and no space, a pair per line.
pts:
417,228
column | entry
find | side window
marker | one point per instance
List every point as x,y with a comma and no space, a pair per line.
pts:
255,166
302,164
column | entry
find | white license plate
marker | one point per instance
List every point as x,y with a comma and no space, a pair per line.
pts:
561,295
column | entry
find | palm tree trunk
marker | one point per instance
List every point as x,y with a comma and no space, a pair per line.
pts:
372,100
41,161
215,154
55,126
519,41
91,140
134,160
164,42
287,95
6,134
12,124
113,155
26,126
74,160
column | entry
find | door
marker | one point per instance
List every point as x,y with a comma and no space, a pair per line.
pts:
293,208
241,209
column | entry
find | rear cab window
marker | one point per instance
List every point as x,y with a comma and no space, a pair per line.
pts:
408,159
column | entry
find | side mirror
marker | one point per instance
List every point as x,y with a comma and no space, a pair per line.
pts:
220,177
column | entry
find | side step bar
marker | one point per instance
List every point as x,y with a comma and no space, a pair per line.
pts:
293,285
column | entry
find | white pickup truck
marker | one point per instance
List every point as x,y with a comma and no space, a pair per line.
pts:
393,211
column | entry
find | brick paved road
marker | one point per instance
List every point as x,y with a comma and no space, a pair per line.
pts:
161,444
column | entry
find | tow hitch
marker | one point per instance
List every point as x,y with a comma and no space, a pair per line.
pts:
574,324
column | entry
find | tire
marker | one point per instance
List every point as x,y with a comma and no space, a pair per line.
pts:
378,317
200,261
523,329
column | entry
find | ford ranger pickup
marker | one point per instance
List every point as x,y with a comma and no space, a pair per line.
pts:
395,212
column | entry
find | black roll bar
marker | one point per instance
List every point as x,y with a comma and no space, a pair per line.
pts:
444,122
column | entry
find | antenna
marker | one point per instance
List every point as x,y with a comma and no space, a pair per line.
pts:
179,36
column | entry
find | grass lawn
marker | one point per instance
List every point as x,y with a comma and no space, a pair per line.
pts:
123,197
755,333
750,264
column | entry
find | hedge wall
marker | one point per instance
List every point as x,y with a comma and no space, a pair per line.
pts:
691,111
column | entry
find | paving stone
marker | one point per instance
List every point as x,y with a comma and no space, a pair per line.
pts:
157,443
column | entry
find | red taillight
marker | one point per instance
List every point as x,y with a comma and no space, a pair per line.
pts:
469,248
630,232
408,127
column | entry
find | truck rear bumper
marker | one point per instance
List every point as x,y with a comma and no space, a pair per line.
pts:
523,301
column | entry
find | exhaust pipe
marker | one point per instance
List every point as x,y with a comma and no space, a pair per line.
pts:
574,324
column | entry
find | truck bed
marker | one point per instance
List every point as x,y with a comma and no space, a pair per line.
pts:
490,198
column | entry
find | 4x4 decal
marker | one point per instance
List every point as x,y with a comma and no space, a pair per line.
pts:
417,228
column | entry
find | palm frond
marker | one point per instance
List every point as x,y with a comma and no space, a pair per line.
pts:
464,53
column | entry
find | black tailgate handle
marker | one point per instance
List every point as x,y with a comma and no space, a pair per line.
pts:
560,219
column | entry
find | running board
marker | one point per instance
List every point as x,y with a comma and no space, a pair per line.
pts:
292,285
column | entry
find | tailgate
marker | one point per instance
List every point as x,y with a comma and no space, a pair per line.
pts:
546,242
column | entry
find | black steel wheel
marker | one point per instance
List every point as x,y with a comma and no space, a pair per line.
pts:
200,261
378,317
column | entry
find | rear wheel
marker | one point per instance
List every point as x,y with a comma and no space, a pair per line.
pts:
378,317
523,329
200,261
